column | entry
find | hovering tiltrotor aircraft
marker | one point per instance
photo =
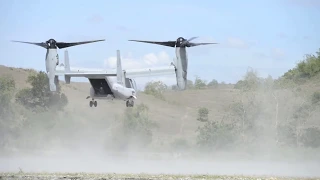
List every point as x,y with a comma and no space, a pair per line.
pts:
52,57
103,87
181,61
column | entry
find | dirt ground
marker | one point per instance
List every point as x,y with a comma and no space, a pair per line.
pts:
80,176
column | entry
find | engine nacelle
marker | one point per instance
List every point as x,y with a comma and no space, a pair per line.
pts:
57,60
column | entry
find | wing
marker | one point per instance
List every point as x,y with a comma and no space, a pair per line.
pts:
164,43
130,73
159,71
97,74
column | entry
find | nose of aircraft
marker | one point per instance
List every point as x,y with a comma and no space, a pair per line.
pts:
134,94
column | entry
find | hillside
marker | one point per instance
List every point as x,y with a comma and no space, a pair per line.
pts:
179,110
251,115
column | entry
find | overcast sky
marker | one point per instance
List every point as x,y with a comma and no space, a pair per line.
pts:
267,35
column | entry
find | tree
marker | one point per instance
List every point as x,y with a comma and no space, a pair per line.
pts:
39,97
9,121
199,83
213,83
7,89
251,81
156,89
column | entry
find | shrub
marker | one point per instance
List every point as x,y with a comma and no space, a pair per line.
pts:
135,128
216,135
203,114
199,83
156,89
315,97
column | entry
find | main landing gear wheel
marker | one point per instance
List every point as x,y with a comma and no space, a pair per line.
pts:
93,103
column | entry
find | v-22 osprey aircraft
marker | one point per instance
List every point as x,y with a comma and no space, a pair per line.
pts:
103,86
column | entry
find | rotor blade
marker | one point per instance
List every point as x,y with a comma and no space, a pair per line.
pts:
164,43
61,45
198,44
192,38
44,45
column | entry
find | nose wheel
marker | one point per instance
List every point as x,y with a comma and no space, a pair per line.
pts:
130,103
93,103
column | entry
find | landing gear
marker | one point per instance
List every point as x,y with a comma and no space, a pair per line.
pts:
93,103
130,103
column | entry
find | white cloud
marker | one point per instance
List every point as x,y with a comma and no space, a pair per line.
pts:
96,19
147,60
237,43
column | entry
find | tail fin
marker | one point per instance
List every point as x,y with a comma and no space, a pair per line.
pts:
67,66
120,73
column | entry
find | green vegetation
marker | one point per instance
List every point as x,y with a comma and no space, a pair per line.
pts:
203,114
257,115
305,70
156,89
213,84
25,110
135,128
39,97
263,114
265,111
199,83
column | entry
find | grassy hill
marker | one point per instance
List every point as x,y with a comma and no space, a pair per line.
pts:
175,115
254,114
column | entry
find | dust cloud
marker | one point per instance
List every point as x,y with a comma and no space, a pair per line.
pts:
74,141
93,162
89,155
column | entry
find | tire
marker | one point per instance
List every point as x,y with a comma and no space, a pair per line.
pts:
95,103
91,103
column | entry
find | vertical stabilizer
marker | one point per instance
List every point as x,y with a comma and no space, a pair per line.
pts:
66,66
66,61
120,73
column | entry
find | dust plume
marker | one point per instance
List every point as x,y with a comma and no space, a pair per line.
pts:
250,128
